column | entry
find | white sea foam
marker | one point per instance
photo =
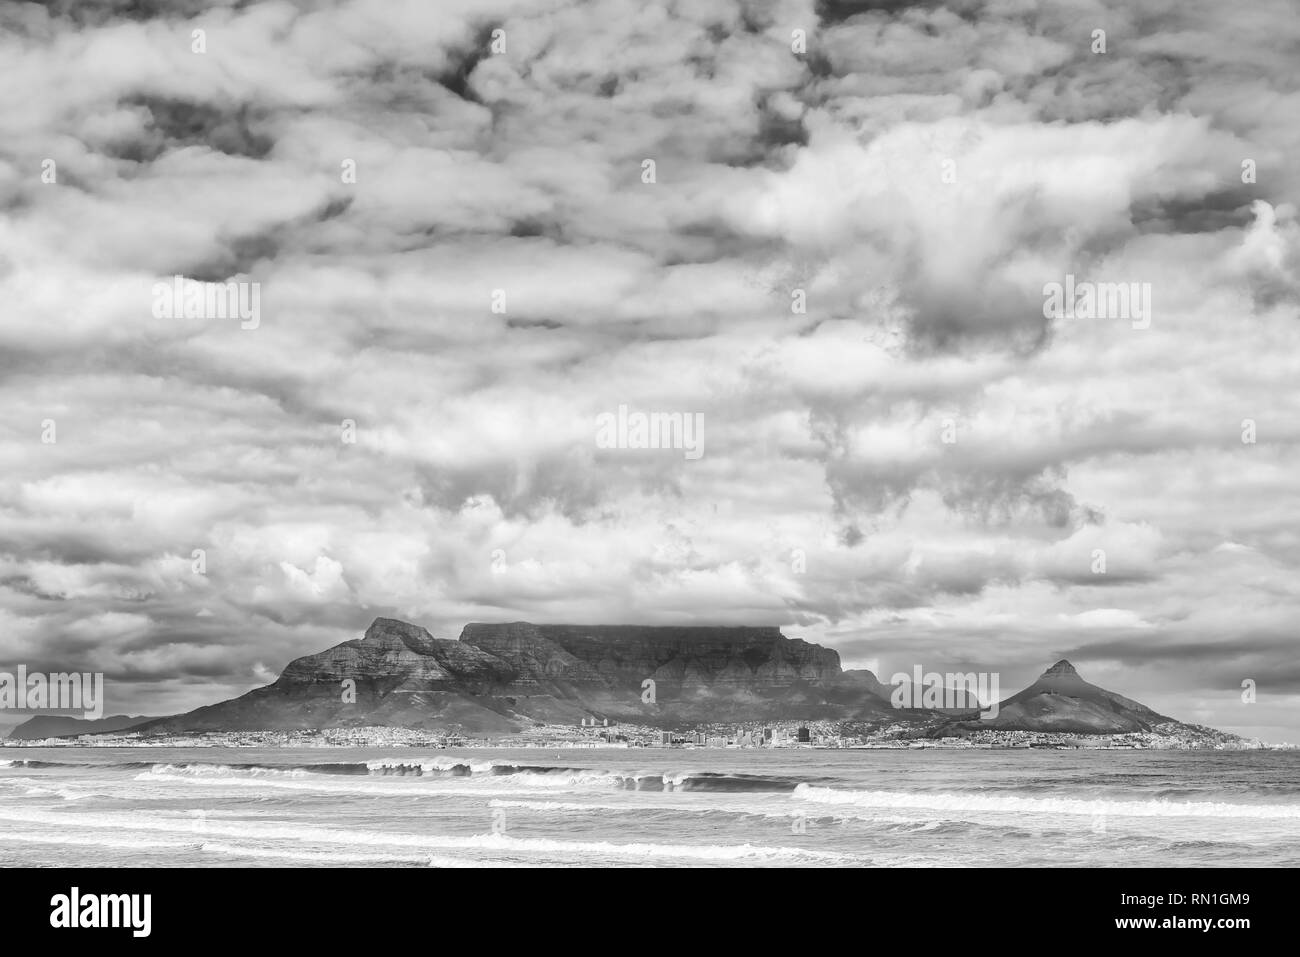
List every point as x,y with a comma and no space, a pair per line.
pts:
467,773
637,805
561,779
781,811
483,784
432,765
1010,804
66,794
226,770
334,837
343,785
92,840
328,857
567,807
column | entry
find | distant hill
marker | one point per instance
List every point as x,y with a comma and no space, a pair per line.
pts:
1061,701
59,726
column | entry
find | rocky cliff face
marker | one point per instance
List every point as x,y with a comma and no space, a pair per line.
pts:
498,677
684,659
393,654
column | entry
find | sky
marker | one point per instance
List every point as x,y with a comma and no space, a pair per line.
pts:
824,231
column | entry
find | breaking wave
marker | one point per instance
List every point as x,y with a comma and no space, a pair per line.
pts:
530,775
1034,805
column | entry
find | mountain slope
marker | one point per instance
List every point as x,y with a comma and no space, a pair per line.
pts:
1060,700
397,674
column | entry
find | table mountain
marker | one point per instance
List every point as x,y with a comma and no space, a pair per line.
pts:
498,677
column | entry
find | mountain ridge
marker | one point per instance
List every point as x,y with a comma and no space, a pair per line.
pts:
42,726
499,678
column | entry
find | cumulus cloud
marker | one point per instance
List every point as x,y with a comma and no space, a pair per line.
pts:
839,262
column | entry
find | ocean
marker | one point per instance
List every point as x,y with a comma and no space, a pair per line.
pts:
242,807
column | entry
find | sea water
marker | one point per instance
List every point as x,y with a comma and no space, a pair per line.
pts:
213,807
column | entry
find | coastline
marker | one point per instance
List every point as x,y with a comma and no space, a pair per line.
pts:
635,737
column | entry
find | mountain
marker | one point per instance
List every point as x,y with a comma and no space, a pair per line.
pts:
1061,701
499,677
59,726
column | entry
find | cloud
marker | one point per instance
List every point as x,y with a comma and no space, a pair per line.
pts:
840,264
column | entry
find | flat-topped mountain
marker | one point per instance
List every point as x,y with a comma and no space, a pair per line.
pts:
684,659
500,678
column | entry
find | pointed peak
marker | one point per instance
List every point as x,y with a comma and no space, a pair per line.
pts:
389,628
1062,667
